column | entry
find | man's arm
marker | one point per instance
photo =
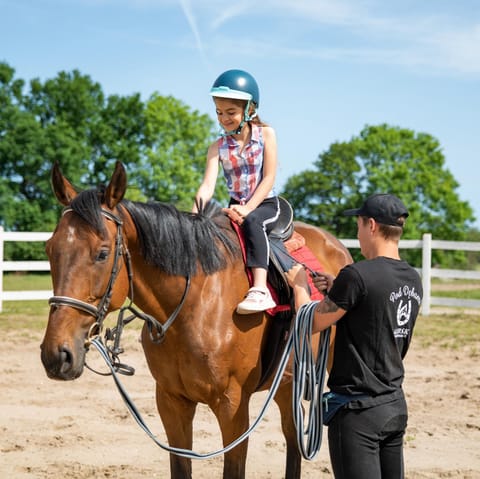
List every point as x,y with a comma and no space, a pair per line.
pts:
326,313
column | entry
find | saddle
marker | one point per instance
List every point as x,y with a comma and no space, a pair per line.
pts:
280,258
286,248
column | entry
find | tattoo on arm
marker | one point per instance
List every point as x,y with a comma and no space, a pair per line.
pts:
327,306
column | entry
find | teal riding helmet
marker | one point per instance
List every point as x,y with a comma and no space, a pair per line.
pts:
237,85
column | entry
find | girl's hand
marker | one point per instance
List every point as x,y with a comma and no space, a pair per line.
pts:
241,210
297,276
233,215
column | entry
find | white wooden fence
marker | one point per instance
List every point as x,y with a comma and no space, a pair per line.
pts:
21,266
427,272
426,245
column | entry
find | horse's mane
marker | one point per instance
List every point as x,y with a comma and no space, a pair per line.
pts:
174,241
88,205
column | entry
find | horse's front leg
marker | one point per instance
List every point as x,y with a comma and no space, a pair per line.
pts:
177,417
233,419
283,398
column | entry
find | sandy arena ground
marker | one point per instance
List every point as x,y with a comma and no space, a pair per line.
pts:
82,429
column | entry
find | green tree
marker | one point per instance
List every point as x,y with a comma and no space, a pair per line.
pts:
86,131
66,119
320,195
69,120
384,159
177,140
21,170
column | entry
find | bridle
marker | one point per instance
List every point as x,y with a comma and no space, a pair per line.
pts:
100,310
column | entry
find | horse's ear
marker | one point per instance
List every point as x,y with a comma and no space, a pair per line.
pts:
63,189
117,186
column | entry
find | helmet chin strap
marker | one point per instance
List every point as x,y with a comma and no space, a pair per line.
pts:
246,118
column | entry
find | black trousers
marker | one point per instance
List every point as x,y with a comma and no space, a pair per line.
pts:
256,227
368,443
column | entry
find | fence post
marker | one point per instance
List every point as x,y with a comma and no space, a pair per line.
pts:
1,268
426,272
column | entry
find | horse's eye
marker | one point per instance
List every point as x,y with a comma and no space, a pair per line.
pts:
103,255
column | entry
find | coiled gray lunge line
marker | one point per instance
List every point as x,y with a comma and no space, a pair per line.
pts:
308,380
308,377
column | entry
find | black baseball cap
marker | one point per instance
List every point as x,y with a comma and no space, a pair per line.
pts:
384,208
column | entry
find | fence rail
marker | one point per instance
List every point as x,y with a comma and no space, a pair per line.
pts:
426,244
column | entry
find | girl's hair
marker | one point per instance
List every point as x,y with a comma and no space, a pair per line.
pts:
256,119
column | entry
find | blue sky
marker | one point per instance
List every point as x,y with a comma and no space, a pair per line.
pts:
326,68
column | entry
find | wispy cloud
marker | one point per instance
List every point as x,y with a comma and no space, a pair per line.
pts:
230,12
370,31
189,15
440,38
459,50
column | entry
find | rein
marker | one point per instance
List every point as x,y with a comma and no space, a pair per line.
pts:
307,383
308,375
156,329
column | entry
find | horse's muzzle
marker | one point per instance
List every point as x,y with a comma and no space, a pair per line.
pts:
61,362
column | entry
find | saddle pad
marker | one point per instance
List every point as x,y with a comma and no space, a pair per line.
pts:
295,242
297,248
305,256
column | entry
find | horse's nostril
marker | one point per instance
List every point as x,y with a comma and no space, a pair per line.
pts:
66,359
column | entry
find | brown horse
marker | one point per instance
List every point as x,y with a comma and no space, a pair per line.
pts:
209,354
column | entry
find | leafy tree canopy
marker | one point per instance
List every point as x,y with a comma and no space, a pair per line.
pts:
176,144
70,120
382,159
163,145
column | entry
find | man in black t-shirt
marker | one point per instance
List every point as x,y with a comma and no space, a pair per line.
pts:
374,304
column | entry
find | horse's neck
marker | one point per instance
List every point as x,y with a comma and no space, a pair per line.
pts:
154,291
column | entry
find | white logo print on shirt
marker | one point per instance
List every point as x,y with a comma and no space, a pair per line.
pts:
404,309
403,312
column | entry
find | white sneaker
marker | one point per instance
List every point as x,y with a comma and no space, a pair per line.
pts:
256,300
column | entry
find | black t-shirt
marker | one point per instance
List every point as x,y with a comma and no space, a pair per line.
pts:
382,298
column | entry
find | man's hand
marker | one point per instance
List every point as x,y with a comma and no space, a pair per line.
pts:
323,281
